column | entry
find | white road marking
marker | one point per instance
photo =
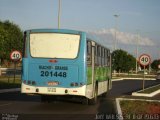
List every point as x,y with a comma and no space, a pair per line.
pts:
1,105
9,90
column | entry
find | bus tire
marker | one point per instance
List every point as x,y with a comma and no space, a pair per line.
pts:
85,101
44,98
93,101
105,93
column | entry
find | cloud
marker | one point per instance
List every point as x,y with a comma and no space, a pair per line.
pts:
108,36
127,41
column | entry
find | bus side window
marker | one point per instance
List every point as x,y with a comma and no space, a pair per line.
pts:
105,57
108,57
102,56
99,55
96,57
89,52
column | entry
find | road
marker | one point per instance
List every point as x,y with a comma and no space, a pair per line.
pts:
26,107
126,87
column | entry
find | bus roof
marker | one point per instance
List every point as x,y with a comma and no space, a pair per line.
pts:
56,30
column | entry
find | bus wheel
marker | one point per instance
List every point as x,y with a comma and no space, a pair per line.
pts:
85,101
93,101
104,94
44,98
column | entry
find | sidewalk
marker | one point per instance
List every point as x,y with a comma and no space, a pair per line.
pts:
136,94
119,79
134,98
156,97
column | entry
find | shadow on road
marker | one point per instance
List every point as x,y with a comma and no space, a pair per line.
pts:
119,88
106,109
17,96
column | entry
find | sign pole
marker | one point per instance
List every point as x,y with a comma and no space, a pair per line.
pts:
59,12
144,78
14,71
15,56
144,60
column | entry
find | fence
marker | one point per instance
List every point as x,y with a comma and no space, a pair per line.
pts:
10,75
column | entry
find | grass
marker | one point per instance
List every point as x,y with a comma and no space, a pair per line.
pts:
150,89
114,76
9,82
139,109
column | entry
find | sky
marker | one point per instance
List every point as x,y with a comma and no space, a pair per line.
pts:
137,24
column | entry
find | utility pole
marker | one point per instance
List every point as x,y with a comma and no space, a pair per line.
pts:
116,29
137,42
59,14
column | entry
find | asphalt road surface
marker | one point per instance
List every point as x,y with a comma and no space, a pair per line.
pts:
24,107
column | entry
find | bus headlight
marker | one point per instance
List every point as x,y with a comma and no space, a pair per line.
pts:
29,82
24,81
72,84
81,84
33,83
75,84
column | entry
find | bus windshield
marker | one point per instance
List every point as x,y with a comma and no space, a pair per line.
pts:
54,45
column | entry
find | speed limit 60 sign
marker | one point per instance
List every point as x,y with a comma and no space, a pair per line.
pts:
15,55
144,59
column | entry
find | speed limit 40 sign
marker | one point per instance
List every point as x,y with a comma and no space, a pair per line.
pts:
144,59
15,55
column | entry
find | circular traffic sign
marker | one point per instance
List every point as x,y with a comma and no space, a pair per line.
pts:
15,55
144,59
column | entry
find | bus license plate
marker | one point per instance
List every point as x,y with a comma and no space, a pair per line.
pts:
51,89
53,83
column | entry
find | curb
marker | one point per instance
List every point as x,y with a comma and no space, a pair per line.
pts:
10,90
119,79
119,110
146,94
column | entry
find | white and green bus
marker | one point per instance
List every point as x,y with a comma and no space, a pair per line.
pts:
60,62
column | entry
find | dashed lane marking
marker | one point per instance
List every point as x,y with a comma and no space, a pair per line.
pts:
1,105
9,90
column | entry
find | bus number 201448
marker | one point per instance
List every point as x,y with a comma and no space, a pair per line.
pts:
51,74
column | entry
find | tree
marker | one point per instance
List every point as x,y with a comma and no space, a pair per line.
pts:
123,61
155,64
11,38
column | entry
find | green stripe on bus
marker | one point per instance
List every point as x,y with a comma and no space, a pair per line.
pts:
101,74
